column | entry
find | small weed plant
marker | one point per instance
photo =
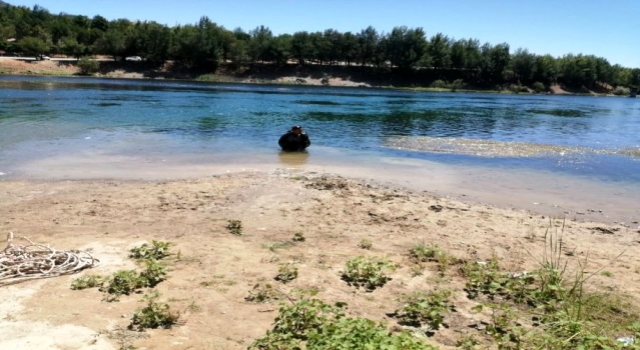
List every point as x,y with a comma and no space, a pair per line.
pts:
367,272
299,237
157,250
154,315
420,309
153,274
314,325
123,282
365,244
425,253
287,273
552,308
235,227
263,293
85,282
275,246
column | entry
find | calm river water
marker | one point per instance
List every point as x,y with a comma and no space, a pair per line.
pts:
541,152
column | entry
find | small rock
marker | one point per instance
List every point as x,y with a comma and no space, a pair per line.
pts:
627,340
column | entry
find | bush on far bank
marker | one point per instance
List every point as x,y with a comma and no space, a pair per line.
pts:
538,87
88,66
621,91
441,84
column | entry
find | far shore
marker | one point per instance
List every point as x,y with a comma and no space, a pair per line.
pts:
309,77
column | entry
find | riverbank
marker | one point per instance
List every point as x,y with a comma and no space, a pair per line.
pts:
133,70
334,76
312,221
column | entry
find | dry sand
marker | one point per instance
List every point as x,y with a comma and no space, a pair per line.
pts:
216,270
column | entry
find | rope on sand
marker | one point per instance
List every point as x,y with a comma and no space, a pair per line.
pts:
20,263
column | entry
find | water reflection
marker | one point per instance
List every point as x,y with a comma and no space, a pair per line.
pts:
293,159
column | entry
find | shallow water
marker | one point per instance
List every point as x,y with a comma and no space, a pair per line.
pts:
554,152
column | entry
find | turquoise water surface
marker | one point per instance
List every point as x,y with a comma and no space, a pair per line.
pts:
88,122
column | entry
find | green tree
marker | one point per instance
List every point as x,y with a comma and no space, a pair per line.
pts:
405,47
523,65
279,49
238,47
439,51
33,46
197,46
152,41
368,49
494,60
70,47
302,47
112,43
349,48
260,43
546,69
332,46
100,23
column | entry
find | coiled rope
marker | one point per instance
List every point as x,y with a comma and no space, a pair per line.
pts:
20,263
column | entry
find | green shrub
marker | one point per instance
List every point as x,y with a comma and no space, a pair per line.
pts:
424,308
314,325
367,272
559,312
325,79
517,88
263,293
538,87
153,274
304,316
89,281
423,253
235,227
365,244
88,66
156,250
154,315
361,333
123,282
440,84
621,91
287,273
456,84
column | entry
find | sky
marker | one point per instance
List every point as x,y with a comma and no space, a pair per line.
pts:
604,28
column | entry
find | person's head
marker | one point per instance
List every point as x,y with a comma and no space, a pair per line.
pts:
297,129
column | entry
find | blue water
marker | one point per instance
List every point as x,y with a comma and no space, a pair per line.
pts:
240,120
87,128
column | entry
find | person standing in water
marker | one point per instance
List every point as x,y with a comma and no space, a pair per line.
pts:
294,140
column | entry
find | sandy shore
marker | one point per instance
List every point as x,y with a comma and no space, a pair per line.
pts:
213,271
216,270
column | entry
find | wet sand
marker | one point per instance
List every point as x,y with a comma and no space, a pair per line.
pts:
542,192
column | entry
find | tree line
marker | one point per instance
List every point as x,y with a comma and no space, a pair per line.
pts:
205,45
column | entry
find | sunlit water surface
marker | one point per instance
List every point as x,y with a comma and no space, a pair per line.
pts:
554,154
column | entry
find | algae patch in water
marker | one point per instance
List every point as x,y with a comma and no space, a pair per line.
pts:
490,148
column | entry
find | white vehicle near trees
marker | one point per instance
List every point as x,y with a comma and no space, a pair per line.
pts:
133,58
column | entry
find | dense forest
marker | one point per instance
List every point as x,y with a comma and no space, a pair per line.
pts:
403,51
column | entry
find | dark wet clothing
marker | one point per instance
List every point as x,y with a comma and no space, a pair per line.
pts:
291,142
